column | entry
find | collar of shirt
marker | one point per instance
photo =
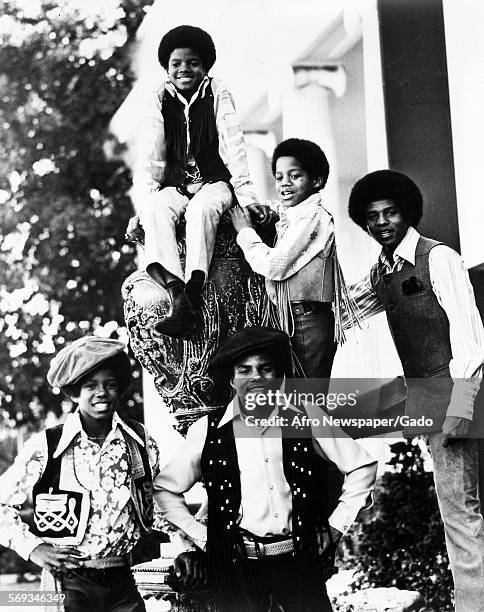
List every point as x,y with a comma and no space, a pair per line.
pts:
405,251
73,426
302,210
233,412
170,88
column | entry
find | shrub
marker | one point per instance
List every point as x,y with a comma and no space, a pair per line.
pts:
402,543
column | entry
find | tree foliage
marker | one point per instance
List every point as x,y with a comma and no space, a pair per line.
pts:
403,544
64,206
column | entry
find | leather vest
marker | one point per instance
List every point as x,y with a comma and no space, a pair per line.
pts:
204,141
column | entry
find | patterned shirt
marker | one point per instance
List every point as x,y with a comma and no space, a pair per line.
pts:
453,290
152,148
112,528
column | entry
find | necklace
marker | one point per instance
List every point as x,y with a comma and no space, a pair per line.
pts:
97,438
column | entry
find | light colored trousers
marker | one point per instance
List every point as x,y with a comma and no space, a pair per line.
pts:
456,472
160,216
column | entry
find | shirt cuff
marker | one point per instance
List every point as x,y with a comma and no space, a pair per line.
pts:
247,236
26,545
340,520
182,543
244,198
462,399
196,532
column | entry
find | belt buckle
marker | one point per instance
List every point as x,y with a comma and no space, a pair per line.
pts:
260,549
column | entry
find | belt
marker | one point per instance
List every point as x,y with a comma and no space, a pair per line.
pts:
105,563
302,308
257,550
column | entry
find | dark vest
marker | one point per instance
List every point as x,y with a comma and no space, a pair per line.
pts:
420,330
307,476
204,141
62,505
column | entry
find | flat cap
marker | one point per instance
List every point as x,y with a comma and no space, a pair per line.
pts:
253,340
83,356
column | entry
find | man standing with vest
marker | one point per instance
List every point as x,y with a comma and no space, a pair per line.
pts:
268,527
424,289
91,482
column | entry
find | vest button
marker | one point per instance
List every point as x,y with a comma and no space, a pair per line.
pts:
391,306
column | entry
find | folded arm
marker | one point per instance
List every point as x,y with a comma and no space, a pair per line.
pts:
358,466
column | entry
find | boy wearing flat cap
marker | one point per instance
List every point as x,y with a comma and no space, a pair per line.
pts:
91,483
192,163
267,531
424,288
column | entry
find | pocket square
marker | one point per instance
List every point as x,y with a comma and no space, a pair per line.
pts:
412,285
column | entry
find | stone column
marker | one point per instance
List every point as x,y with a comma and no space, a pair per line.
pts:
307,113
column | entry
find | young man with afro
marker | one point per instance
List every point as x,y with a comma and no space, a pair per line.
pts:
192,163
424,288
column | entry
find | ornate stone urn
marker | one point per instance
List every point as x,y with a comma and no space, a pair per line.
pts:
233,298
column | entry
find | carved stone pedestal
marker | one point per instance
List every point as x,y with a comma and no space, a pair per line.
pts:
161,590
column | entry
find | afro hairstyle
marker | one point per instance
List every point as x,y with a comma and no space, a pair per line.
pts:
386,185
308,154
190,37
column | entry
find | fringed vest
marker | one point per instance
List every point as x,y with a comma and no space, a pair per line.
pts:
306,474
204,141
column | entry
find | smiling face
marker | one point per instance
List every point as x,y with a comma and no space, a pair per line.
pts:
98,397
386,224
254,374
186,71
293,183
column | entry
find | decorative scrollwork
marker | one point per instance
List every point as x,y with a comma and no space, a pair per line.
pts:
233,298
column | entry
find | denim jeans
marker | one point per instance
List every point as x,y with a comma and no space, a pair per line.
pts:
98,590
456,476
271,586
313,341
